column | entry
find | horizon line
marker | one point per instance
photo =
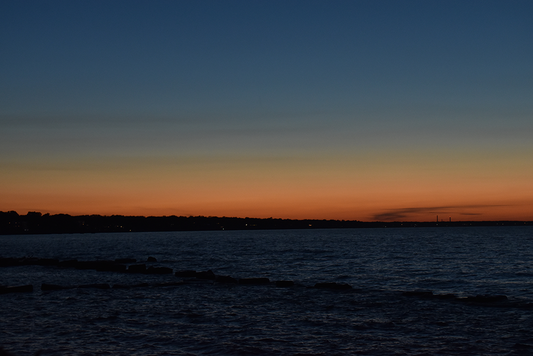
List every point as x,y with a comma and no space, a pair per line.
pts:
40,214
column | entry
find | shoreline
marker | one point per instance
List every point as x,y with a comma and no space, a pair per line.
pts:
11,223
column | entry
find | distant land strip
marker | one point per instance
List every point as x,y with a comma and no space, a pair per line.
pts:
11,223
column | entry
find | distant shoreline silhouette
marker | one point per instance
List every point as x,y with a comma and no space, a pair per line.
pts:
11,223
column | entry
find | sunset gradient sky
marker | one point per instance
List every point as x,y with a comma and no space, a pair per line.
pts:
366,110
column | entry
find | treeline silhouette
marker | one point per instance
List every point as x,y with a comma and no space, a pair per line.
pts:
11,223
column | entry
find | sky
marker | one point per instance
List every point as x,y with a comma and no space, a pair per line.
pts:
357,110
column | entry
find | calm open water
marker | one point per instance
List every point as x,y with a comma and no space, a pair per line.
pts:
374,318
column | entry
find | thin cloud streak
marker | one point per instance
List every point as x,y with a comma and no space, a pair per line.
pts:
402,213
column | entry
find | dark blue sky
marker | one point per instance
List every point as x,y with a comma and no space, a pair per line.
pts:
169,57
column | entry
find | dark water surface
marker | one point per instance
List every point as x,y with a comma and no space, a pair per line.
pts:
374,318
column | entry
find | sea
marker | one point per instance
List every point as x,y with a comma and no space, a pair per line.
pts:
381,291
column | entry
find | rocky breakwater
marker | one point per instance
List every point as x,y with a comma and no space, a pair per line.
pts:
333,286
209,276
485,300
188,276
16,289
118,265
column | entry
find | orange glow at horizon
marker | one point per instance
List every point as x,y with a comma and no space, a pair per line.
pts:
351,187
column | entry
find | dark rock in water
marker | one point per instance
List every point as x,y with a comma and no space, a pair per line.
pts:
119,268
418,293
8,262
444,296
28,261
108,266
128,286
96,265
333,286
486,299
95,285
3,352
158,270
520,346
46,287
254,281
151,259
125,260
137,268
84,265
169,284
138,285
284,284
68,264
205,275
17,289
185,274
47,262
121,286
225,279
101,266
